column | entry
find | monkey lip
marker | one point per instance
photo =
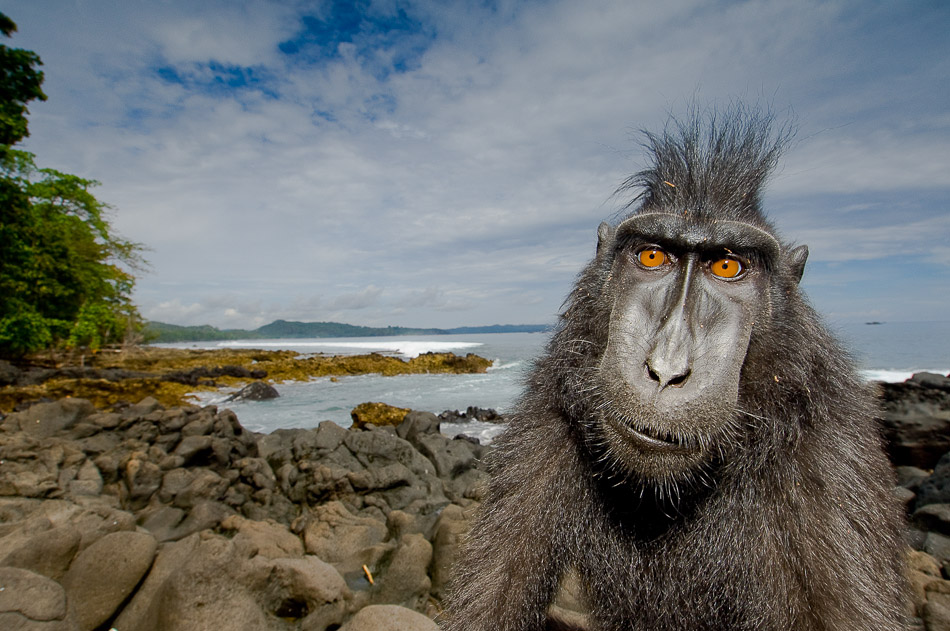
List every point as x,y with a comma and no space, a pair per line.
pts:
651,440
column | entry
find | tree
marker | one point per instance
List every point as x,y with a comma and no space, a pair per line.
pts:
64,274
19,83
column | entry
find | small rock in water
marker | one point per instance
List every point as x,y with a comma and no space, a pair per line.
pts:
255,391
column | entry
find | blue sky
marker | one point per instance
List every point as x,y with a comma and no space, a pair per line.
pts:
447,163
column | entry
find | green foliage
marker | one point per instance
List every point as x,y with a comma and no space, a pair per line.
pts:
19,83
64,274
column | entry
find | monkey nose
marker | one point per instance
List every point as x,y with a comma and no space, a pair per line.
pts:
665,373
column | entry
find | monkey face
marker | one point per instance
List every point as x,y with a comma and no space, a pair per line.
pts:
684,295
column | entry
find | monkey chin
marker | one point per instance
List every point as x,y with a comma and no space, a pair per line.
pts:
644,454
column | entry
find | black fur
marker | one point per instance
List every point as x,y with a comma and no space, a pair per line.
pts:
788,524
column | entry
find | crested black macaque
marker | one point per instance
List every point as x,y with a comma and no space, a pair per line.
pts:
693,442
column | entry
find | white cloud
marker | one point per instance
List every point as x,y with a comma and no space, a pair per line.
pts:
472,184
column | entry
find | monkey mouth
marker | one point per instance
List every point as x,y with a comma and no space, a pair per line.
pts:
649,439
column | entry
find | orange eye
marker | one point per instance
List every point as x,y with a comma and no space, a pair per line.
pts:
652,257
727,268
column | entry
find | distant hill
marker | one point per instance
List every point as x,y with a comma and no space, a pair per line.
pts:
159,332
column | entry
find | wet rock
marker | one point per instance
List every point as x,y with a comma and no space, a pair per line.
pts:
255,391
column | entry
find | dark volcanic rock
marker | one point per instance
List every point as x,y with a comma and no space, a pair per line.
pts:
255,391
195,375
916,419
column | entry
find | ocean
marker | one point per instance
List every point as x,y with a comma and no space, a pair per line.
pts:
890,351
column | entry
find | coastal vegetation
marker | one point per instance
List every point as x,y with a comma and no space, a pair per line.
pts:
65,275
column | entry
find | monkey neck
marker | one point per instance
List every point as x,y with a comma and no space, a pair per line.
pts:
652,509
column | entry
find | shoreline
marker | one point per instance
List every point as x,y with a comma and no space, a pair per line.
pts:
170,375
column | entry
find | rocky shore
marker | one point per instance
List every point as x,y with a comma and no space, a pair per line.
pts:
163,518
170,374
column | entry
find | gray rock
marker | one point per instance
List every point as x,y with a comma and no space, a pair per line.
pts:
936,616
218,588
205,485
88,481
201,425
937,546
142,477
933,517
171,557
339,537
405,580
31,595
417,423
388,618
141,409
46,419
194,449
105,573
305,589
47,552
266,538
450,528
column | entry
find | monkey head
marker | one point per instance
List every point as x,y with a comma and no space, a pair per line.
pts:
684,293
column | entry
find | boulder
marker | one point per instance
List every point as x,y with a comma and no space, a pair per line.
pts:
450,528
935,489
404,580
339,537
216,587
266,538
30,601
46,419
171,557
389,618
103,575
916,420
40,548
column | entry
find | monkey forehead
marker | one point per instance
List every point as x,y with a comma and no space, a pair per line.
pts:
698,234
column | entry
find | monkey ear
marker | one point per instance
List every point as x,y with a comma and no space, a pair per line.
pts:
796,261
605,238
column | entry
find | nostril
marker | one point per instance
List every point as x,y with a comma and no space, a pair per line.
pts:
679,380
659,375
